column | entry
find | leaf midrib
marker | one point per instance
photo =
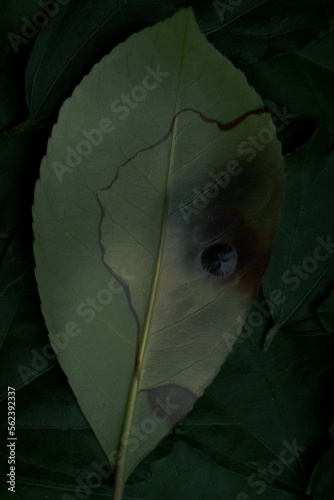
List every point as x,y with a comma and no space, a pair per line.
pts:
120,473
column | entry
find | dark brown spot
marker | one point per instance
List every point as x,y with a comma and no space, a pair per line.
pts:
224,246
220,259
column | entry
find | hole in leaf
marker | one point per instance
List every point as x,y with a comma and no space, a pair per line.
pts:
220,259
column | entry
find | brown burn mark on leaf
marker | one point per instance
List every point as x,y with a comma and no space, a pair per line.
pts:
170,402
221,126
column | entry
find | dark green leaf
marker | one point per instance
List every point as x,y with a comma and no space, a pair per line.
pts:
322,482
81,33
301,270
249,419
17,33
248,32
302,80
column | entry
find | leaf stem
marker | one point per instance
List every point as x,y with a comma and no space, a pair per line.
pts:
120,473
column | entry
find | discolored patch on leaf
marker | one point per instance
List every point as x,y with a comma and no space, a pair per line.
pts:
220,232
171,402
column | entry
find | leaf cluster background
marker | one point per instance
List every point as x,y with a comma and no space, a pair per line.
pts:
261,399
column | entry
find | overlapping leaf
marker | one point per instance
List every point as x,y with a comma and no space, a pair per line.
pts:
243,31
302,80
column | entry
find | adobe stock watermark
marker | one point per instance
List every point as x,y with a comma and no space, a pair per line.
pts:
248,150
298,273
30,28
211,190
121,108
163,411
288,454
279,120
293,279
93,305
60,340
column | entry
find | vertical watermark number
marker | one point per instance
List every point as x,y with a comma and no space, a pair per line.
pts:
11,439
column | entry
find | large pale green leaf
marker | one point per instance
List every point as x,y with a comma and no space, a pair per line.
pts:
154,218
